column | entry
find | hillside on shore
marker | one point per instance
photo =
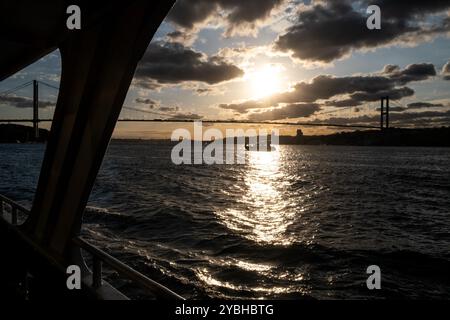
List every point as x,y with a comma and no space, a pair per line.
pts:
432,137
14,133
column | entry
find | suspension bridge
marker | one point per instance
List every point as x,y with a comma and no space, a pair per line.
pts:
384,114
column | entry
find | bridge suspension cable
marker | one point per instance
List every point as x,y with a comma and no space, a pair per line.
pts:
173,117
48,85
13,90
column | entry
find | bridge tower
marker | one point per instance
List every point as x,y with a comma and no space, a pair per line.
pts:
36,109
384,118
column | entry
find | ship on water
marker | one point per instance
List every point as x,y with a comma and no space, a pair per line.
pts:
98,64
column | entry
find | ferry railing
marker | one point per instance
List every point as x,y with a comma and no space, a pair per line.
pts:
98,256
14,211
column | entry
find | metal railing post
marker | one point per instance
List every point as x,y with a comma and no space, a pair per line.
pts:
13,215
9,207
96,272
99,256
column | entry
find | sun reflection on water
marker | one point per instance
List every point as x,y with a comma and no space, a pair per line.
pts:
263,289
263,213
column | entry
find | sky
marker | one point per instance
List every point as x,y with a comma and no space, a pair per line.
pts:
277,60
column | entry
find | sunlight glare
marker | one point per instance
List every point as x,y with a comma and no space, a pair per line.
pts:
265,81
264,214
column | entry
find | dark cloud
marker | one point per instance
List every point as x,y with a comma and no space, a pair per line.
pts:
413,72
361,88
424,105
325,87
331,30
208,91
343,103
402,119
237,13
153,105
244,107
390,68
181,37
203,91
145,83
149,102
188,13
415,106
168,113
145,101
298,110
169,109
350,91
394,109
409,9
186,116
20,102
446,71
393,94
172,63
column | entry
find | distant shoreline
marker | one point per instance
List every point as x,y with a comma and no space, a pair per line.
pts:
15,133
424,137
420,137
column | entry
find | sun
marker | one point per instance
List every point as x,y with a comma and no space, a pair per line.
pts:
265,81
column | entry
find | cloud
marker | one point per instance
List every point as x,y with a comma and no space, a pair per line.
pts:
203,91
167,113
153,105
413,72
239,16
189,13
446,71
186,38
393,94
402,119
324,87
244,107
172,63
328,30
145,101
20,102
186,116
146,83
169,109
297,110
415,106
394,109
411,9
211,91
347,91
343,103
149,102
360,88
424,105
